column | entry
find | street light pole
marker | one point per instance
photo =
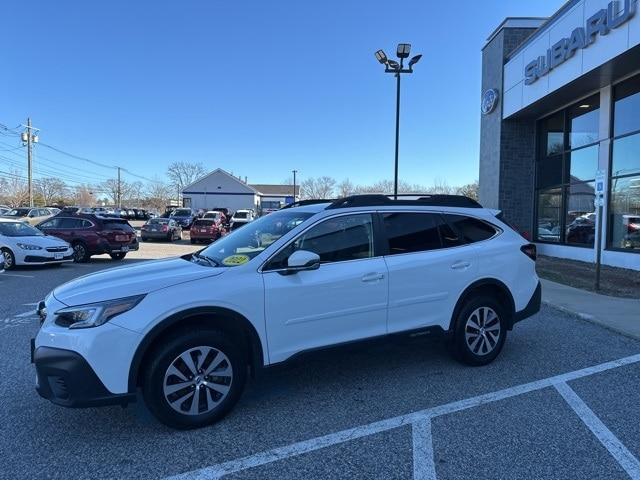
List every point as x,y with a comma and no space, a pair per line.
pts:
391,66
395,176
294,185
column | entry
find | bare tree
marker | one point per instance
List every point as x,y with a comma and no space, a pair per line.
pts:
13,189
441,186
345,188
386,187
321,187
181,174
110,189
157,195
84,196
51,190
470,190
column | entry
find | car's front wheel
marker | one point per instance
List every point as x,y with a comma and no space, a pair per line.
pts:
8,259
480,331
118,256
194,379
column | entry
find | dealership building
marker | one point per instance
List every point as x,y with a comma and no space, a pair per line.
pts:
560,129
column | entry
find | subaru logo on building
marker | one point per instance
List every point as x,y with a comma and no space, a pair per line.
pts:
489,101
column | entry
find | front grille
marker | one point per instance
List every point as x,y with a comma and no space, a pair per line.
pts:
56,249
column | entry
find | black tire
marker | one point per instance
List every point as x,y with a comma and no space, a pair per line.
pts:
8,259
80,252
193,240
144,239
462,344
118,256
166,353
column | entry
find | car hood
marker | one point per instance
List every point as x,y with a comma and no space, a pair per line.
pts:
128,281
43,241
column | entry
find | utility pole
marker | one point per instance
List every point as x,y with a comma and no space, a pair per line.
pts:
29,138
119,190
294,184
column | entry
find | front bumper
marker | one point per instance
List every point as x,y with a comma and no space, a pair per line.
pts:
41,260
532,307
65,378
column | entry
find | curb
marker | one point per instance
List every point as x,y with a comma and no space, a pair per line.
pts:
591,319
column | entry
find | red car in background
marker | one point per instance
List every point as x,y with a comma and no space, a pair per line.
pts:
92,235
206,230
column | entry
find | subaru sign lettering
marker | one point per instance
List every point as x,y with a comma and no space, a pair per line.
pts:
601,23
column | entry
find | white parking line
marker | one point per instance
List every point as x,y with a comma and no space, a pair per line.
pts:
423,463
16,275
306,446
606,437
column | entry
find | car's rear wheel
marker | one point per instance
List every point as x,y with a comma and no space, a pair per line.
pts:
9,260
144,239
118,256
80,252
480,331
194,379
193,240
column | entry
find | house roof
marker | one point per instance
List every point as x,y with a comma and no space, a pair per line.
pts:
279,190
216,172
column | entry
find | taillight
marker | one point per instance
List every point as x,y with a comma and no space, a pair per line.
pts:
530,251
165,228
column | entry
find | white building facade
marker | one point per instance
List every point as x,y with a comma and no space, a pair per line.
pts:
220,189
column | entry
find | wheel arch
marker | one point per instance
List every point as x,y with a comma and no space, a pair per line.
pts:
222,318
488,286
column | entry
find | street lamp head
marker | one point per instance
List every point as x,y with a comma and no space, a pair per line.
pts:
403,50
414,60
381,57
393,65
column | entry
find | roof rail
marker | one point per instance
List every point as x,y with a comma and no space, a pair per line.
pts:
312,201
426,200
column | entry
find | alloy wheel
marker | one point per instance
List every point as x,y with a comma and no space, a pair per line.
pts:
79,252
482,331
7,260
197,380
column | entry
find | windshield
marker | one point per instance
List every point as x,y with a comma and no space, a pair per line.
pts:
18,212
19,229
160,221
240,215
212,215
181,212
246,243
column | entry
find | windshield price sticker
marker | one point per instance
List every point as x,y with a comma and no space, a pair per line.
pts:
234,260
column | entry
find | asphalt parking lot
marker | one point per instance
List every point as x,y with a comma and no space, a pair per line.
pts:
560,402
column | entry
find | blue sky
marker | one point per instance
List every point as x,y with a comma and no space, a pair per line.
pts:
255,87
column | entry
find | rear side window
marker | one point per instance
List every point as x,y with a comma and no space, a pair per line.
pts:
470,229
412,232
116,225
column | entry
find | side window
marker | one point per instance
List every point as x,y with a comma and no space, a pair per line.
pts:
470,229
412,232
337,239
69,223
86,224
53,223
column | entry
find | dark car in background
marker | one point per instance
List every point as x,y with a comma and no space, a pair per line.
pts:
161,229
206,230
183,217
92,235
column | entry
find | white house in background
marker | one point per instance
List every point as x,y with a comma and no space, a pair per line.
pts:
220,189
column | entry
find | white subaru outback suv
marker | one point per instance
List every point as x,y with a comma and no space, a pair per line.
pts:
185,332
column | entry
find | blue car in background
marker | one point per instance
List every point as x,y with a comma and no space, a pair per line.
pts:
183,217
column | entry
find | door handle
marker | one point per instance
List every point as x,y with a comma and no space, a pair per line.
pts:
372,277
461,265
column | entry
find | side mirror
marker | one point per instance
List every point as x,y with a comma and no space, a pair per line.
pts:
302,260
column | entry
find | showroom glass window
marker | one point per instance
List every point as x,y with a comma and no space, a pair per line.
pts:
566,168
624,181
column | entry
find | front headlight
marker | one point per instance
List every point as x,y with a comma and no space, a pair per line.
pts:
95,314
28,246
